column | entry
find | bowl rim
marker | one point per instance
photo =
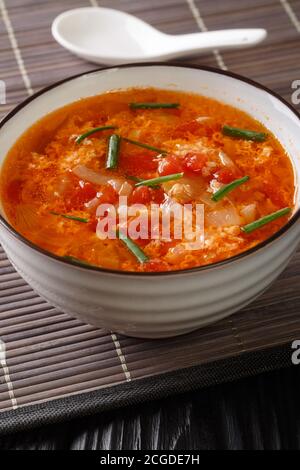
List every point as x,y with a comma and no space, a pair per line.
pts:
116,272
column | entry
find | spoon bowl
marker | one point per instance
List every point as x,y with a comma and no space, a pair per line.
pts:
107,36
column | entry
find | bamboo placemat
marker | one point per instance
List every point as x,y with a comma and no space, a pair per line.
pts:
53,366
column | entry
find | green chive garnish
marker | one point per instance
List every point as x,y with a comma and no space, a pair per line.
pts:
265,220
113,151
81,137
132,247
228,187
144,146
134,178
71,217
154,105
244,134
79,261
159,180
138,180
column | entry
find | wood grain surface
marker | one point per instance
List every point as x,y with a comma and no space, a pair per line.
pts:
260,413
50,354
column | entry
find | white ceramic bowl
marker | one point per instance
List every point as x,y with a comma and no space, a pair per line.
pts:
156,304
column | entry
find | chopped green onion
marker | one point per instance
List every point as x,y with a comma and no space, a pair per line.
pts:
228,187
81,137
113,151
244,134
144,146
133,247
71,217
160,179
138,180
154,105
79,261
265,220
134,178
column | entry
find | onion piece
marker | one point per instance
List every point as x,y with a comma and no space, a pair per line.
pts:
178,252
90,175
202,118
249,213
181,192
116,183
186,189
120,185
215,185
125,190
226,161
266,152
169,205
92,203
205,198
224,217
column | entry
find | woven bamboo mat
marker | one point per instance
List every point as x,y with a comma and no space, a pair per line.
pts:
50,355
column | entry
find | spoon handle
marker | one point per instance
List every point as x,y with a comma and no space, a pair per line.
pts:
209,40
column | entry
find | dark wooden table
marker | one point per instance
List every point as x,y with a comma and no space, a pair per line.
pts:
255,413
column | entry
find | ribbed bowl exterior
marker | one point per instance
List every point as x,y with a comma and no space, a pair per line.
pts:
152,306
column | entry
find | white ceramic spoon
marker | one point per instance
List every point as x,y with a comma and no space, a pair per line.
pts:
107,36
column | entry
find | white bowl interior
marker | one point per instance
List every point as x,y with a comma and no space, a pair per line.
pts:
264,107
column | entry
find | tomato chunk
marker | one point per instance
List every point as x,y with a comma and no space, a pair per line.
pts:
141,195
225,175
137,163
107,195
274,194
195,161
83,193
144,195
169,165
158,195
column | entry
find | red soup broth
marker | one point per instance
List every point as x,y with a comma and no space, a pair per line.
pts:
52,185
